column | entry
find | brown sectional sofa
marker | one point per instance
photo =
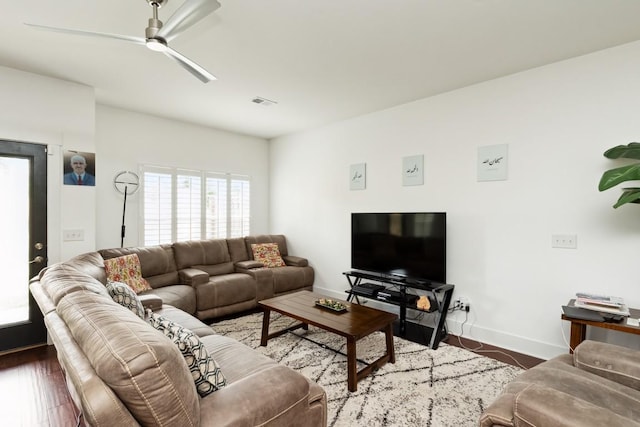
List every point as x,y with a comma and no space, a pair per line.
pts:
214,278
120,371
597,386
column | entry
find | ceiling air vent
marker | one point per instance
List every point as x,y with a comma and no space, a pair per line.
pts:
263,101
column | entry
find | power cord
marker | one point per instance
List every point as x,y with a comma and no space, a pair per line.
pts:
478,349
564,337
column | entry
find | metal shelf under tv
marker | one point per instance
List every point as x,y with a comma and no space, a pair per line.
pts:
439,294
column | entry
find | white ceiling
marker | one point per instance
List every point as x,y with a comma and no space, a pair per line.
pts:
321,60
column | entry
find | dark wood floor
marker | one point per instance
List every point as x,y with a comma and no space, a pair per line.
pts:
33,391
511,357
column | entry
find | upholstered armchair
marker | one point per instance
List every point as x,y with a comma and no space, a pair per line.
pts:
599,385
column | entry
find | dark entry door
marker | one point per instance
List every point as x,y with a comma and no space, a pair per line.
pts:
23,252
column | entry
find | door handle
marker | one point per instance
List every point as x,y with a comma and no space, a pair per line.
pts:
37,260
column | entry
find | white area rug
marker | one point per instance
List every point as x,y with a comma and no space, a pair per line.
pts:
449,386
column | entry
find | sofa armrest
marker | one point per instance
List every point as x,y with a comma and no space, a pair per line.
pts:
538,405
151,302
242,266
500,412
616,363
251,401
193,276
295,261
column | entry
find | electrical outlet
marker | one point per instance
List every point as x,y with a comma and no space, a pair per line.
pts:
462,304
565,241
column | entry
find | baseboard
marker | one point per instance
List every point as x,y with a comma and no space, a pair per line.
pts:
507,341
472,331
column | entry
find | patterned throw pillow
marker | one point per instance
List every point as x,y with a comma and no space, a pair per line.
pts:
268,254
124,295
205,371
126,269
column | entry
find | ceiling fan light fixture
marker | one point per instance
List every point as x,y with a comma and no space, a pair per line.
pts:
156,45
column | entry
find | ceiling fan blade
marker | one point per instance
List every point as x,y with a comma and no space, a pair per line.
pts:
137,40
202,74
189,13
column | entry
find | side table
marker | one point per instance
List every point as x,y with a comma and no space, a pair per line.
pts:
579,327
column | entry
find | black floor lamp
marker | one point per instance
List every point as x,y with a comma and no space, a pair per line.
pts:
126,183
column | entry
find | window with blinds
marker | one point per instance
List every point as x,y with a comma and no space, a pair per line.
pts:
183,205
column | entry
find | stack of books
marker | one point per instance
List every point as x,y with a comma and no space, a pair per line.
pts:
602,303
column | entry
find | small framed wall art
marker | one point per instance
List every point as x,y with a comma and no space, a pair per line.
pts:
358,176
413,170
493,162
79,168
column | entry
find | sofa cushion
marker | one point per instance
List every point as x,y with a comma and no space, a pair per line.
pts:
126,269
254,378
267,238
287,279
144,369
237,360
90,263
158,263
559,374
538,405
226,290
124,295
201,252
61,279
268,254
99,404
237,249
186,320
619,364
205,371
180,296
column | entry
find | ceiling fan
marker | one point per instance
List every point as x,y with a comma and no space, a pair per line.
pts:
158,35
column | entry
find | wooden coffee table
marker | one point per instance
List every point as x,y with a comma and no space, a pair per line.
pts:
356,323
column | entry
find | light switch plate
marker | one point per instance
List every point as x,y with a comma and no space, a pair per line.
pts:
73,235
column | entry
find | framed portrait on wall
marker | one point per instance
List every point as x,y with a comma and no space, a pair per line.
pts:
79,168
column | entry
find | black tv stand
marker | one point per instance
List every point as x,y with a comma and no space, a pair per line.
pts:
439,295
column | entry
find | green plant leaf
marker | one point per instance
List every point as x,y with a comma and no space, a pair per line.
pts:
629,151
613,177
630,195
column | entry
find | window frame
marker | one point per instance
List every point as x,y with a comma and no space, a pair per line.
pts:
205,217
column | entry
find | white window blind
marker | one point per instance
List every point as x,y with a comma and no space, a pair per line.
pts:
157,209
188,206
183,205
217,212
239,209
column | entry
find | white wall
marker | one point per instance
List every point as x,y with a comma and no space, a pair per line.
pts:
557,121
126,139
58,114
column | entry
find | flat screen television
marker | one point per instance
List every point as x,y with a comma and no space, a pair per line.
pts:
409,245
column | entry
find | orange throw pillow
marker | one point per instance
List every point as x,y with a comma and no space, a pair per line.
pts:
126,269
268,254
